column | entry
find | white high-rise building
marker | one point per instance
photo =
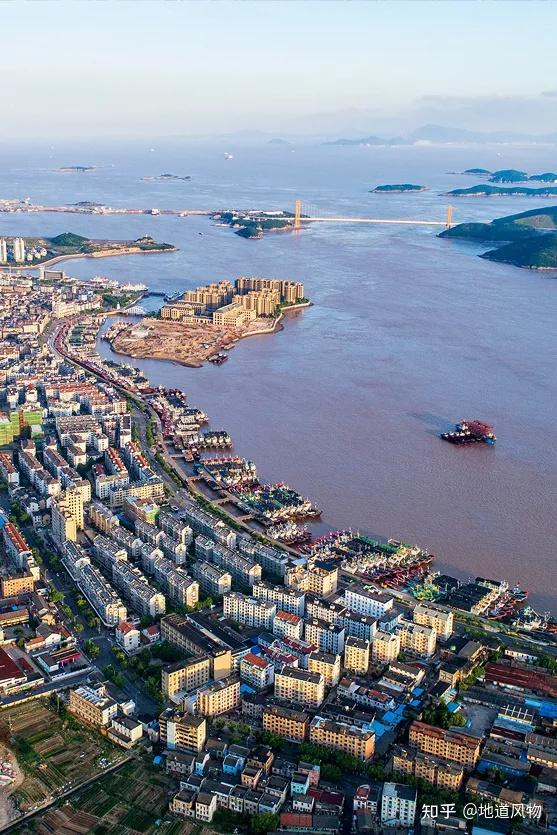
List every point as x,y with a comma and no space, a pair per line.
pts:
3,251
19,250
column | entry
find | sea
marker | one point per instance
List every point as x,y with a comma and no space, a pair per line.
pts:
408,333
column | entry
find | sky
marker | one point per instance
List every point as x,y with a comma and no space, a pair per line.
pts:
163,68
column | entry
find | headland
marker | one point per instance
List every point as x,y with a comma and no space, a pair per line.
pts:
22,253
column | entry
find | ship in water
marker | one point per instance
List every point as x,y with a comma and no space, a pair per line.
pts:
470,432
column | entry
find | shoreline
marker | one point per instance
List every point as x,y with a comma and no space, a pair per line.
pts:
108,254
275,327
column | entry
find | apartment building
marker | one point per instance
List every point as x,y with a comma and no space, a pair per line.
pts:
328,637
385,647
356,655
451,744
286,625
328,665
286,722
242,569
102,518
186,676
316,579
67,515
300,687
341,736
426,767
418,639
180,732
249,611
398,805
436,617
100,595
368,602
213,581
143,598
13,584
176,583
272,561
219,697
93,705
285,599
257,671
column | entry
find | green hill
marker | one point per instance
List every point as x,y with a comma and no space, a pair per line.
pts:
68,239
539,252
508,175
530,238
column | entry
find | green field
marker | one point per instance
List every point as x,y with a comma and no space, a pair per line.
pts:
52,749
133,799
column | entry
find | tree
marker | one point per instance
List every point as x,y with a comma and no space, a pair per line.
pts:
92,649
57,596
263,823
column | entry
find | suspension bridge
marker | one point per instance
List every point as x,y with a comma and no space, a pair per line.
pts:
306,213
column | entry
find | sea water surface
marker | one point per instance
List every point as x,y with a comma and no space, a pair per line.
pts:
408,334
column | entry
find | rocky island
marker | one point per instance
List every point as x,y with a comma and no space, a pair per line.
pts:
253,224
528,239
77,169
397,188
165,177
21,253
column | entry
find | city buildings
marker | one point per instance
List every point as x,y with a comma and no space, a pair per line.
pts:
181,732
451,744
398,805
249,611
286,722
300,687
356,655
437,617
341,736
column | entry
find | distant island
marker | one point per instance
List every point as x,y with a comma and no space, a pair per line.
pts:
35,252
487,190
369,141
278,141
509,175
528,239
165,177
254,224
396,188
77,168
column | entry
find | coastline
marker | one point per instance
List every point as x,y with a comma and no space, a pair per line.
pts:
273,327
102,254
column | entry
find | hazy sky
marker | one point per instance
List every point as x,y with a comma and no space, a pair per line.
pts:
160,68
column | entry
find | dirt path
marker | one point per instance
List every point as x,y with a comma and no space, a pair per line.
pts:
7,808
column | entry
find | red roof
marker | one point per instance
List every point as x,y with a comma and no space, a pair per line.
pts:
256,660
296,819
8,667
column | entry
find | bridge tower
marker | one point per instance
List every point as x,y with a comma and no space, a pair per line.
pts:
449,217
297,214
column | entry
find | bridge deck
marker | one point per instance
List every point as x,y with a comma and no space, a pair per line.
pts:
372,220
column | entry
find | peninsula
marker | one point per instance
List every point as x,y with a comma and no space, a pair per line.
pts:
21,253
397,188
204,321
528,239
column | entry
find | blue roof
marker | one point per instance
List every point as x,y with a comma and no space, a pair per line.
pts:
157,760
245,688
453,707
418,691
